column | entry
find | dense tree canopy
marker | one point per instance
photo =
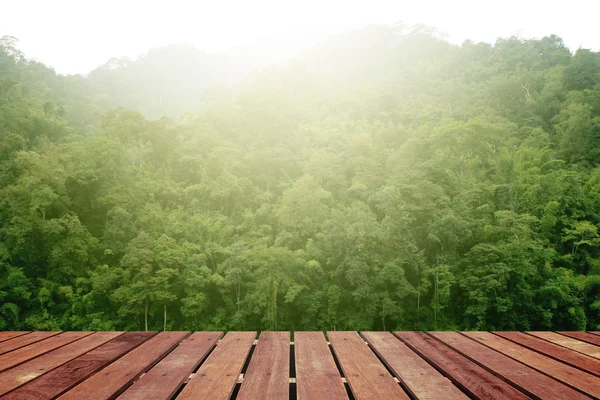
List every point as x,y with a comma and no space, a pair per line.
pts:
386,180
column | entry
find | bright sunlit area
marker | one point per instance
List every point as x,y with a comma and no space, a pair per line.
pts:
75,37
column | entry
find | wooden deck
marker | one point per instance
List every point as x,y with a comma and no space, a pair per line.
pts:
299,365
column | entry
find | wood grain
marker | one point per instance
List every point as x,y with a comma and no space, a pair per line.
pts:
317,376
573,377
581,361
116,377
419,378
25,340
470,377
529,380
218,375
11,334
269,369
32,369
584,336
166,377
33,350
569,343
367,377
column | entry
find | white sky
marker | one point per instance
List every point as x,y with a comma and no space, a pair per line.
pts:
75,36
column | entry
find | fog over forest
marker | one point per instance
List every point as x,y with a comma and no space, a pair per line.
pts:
383,179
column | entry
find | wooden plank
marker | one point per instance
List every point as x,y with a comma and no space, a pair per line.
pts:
61,379
366,376
575,359
529,380
25,340
21,374
11,334
217,376
112,380
317,377
573,377
166,377
467,375
268,374
584,336
569,343
420,379
33,350
595,333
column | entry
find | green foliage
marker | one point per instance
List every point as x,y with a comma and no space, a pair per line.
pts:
386,180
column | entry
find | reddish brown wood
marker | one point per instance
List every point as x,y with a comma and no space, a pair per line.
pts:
571,376
33,350
317,377
529,380
217,376
470,377
581,361
61,379
584,336
166,377
22,341
419,378
31,369
268,374
595,332
366,376
569,343
11,334
112,380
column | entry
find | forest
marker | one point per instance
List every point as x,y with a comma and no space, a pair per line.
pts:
385,179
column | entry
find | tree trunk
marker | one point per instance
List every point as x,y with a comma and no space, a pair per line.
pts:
165,318
146,314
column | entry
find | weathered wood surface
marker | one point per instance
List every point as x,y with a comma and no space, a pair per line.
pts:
466,374
560,353
36,349
571,376
526,378
218,375
22,341
9,335
112,380
31,369
166,377
362,366
569,342
367,377
268,373
583,336
317,377
418,377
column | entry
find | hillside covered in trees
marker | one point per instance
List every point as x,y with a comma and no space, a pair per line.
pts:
387,179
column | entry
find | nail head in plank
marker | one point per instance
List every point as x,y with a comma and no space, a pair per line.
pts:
268,373
217,376
574,358
568,342
25,340
528,379
47,365
421,379
317,376
166,377
466,374
6,335
573,377
112,380
33,350
366,376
